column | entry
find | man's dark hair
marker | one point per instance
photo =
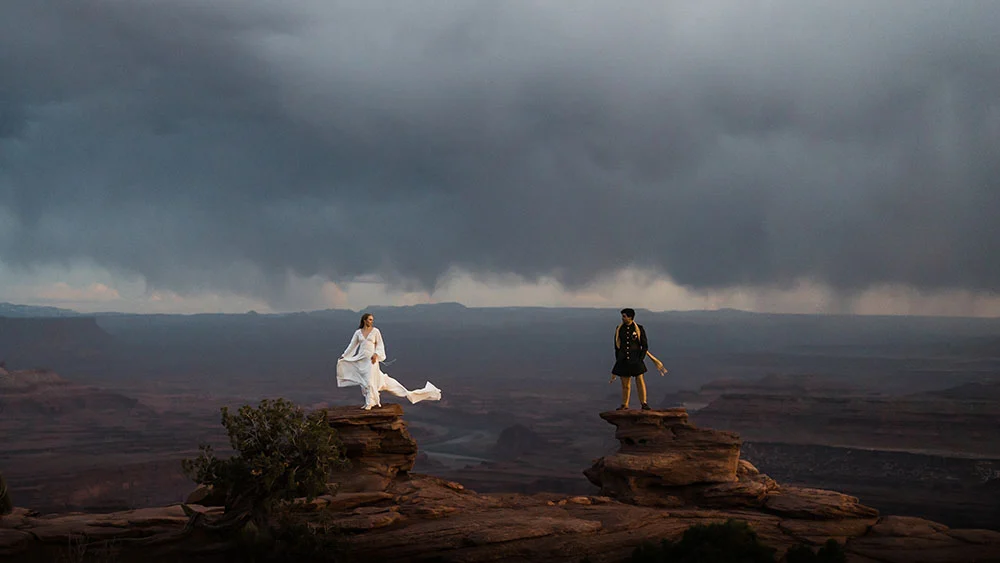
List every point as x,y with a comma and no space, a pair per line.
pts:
628,312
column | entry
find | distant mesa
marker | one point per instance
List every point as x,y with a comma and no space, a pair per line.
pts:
36,392
14,310
425,462
57,343
517,440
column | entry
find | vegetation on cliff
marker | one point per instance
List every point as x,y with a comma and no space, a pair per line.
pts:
733,541
281,454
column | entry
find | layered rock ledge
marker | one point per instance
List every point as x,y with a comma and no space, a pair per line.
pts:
377,444
400,516
665,461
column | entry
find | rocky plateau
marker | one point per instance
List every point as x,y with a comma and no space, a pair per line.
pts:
666,475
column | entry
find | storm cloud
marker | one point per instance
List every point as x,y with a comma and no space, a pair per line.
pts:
225,145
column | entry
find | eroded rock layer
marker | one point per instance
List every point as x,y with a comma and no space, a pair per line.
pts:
397,516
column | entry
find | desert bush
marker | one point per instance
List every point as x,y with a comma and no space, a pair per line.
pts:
986,472
295,537
281,454
733,541
81,549
831,552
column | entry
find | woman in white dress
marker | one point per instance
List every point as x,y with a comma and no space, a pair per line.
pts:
359,365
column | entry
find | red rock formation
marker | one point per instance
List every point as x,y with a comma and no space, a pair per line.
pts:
666,461
415,517
377,444
661,456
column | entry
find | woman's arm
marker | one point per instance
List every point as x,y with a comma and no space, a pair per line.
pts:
379,346
354,340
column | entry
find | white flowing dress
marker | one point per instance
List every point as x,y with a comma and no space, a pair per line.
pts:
356,368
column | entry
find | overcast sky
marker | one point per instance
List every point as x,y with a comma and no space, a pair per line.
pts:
786,155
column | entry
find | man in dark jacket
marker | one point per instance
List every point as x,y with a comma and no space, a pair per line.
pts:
631,348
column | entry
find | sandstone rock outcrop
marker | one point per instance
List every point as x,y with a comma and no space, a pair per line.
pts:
666,461
660,453
377,444
420,518
424,518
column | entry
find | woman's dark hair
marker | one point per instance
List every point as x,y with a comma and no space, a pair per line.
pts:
628,312
363,317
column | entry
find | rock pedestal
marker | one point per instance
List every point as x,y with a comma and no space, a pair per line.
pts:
421,518
661,455
376,443
666,461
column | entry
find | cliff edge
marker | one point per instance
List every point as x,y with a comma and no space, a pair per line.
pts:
667,476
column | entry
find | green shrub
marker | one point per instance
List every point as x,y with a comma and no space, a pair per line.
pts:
281,453
294,537
831,552
731,542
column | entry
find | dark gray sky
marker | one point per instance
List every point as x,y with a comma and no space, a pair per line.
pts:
225,145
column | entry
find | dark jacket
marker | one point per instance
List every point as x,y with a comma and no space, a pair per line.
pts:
630,351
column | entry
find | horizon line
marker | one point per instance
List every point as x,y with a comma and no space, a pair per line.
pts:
74,312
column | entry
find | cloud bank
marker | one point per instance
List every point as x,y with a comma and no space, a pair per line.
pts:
227,146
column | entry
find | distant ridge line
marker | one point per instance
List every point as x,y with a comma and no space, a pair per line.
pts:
13,310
